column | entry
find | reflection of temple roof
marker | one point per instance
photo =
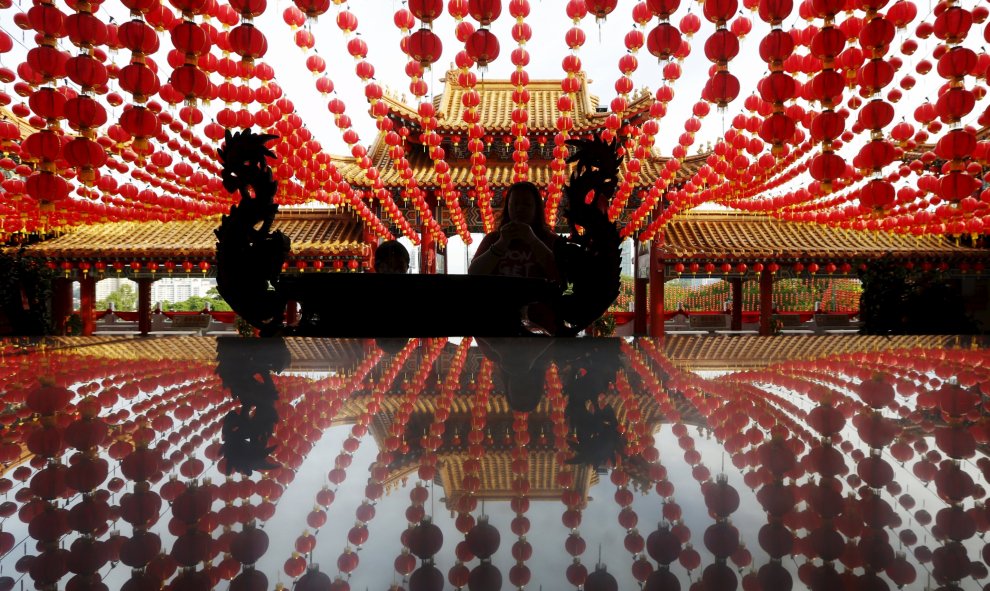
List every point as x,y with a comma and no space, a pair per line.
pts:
307,354
495,474
747,237
744,352
315,233
497,477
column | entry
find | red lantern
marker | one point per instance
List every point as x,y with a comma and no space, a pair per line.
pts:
424,46
719,11
663,41
485,11
426,10
690,24
248,42
722,88
483,47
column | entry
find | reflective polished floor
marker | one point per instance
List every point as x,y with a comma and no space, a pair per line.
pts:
832,462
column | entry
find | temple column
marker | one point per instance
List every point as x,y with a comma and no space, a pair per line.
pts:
640,303
371,240
87,304
766,301
291,313
61,303
427,253
657,279
144,305
736,284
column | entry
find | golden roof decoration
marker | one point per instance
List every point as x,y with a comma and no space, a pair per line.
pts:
496,105
730,236
22,125
499,171
312,234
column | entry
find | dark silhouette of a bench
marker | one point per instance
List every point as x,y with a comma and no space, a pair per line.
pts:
384,305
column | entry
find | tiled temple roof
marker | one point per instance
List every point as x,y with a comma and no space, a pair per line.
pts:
496,106
499,172
313,234
495,112
743,237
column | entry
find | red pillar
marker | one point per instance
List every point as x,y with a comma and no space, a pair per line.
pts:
427,254
372,241
640,283
87,304
657,279
61,303
144,305
291,314
766,301
640,306
737,302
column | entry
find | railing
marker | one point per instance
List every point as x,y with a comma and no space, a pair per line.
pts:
126,322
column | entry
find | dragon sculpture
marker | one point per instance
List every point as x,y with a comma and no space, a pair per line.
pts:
250,256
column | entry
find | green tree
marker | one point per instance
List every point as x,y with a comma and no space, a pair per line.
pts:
124,299
197,303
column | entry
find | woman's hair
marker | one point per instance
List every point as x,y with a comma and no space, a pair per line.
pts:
540,226
391,257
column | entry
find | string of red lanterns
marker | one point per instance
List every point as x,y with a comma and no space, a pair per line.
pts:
521,34
348,24
471,99
306,42
423,48
570,85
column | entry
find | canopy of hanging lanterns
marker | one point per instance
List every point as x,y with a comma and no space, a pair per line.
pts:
859,114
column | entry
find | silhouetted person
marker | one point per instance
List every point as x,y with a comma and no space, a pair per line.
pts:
391,257
522,365
524,242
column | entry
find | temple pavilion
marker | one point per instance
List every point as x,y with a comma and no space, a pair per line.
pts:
726,244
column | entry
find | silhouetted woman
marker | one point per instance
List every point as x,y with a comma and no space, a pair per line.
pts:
523,244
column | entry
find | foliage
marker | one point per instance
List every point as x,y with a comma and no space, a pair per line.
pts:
124,299
197,303
604,326
25,291
244,328
897,300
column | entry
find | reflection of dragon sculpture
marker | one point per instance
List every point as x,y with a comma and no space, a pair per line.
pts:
250,256
245,366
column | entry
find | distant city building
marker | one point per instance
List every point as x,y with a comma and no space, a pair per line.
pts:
170,290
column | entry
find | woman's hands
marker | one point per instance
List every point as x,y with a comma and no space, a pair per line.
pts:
516,231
